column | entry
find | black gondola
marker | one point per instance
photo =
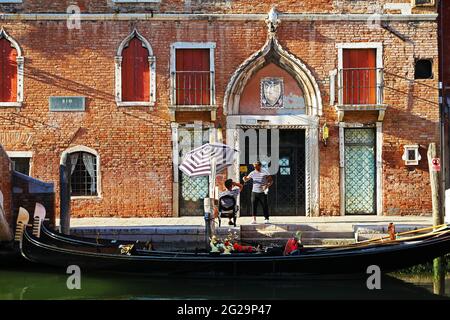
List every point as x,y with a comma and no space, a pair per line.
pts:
61,240
326,261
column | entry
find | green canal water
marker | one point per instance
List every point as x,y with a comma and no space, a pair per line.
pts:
30,283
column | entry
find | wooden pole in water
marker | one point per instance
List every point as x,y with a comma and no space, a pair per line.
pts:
439,264
64,194
438,219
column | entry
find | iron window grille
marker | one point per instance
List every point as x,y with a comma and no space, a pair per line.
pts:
194,88
361,86
83,182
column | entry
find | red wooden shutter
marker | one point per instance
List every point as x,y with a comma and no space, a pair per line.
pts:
8,72
193,79
360,76
135,72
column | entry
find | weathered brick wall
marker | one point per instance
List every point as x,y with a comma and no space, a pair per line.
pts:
210,6
135,143
6,183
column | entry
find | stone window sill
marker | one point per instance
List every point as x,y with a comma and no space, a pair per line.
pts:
10,104
135,104
381,108
85,198
195,108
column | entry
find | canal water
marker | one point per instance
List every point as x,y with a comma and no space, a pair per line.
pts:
31,282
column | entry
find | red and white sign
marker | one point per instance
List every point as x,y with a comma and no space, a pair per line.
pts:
436,164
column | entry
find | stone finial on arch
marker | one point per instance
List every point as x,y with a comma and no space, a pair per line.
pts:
20,69
272,51
118,70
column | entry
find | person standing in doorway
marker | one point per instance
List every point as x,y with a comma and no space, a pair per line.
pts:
262,181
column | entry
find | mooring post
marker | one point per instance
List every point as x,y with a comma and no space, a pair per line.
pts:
64,193
208,216
439,264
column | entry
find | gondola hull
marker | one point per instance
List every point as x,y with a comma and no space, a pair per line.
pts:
355,261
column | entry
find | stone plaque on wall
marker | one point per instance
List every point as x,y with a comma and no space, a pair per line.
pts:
67,103
272,91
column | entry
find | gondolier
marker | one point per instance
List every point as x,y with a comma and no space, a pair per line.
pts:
262,181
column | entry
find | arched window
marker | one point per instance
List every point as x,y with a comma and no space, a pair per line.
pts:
83,179
11,71
135,72
84,166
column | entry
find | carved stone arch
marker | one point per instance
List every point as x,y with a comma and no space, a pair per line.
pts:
131,36
118,71
20,69
273,52
14,43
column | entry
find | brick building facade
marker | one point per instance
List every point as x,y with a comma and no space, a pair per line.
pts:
200,68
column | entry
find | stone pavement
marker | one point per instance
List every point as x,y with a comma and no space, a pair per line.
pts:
199,221
190,231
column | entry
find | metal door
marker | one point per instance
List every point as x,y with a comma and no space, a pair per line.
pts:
360,171
287,194
192,191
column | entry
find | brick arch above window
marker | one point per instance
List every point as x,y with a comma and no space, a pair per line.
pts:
11,71
129,62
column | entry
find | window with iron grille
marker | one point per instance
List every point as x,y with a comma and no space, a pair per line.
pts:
193,77
83,180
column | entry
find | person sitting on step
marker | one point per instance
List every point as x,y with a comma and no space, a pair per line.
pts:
231,189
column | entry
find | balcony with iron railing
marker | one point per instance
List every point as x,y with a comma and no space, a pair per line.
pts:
360,89
193,91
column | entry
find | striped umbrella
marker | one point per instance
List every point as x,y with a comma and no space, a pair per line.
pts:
200,161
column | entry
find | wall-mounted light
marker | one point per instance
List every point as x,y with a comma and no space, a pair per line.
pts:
325,134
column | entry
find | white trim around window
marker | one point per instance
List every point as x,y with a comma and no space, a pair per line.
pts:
118,72
361,45
430,3
173,58
20,62
22,154
81,148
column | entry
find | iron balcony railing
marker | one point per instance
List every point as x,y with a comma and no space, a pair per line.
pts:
193,88
361,86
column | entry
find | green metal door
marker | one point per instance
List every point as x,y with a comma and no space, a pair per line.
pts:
360,171
192,190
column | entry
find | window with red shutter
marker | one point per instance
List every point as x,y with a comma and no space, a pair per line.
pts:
193,77
359,77
135,72
8,72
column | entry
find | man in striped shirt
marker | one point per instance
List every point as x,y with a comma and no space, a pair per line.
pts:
262,180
